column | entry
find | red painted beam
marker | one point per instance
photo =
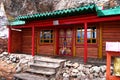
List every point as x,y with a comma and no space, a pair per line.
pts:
33,41
85,42
9,40
70,20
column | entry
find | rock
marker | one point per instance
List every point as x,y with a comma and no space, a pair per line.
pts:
75,70
75,65
66,75
4,54
96,69
88,66
68,64
103,68
80,68
52,78
14,59
91,76
95,74
18,70
8,62
24,61
66,78
87,71
73,74
101,75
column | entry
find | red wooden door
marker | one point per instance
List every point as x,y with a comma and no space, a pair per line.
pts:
65,42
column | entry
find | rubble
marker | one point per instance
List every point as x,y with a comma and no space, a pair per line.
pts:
16,63
78,71
13,63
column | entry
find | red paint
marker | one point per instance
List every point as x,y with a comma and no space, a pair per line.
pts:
9,40
70,20
57,42
85,42
108,71
33,41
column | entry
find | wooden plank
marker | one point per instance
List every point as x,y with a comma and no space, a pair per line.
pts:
50,49
16,41
92,52
111,33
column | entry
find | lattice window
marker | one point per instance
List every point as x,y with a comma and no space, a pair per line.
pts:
91,35
46,36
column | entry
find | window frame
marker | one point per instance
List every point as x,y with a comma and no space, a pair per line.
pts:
82,27
48,38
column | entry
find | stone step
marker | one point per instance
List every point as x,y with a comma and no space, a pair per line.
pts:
48,60
41,71
45,65
27,76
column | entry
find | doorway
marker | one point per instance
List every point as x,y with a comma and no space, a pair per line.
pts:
65,42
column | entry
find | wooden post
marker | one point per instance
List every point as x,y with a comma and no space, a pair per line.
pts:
85,42
100,43
57,41
9,40
74,40
33,41
108,66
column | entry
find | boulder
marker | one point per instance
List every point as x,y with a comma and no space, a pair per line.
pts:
96,69
81,67
103,68
68,64
66,75
75,65
75,70
18,70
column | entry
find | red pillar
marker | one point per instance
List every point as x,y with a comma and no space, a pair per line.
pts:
108,66
33,41
85,42
9,40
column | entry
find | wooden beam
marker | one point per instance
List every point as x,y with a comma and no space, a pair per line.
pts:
33,41
70,20
9,40
85,42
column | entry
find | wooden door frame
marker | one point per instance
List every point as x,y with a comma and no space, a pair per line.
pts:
57,38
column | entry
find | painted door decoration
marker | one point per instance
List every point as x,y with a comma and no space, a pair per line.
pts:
65,42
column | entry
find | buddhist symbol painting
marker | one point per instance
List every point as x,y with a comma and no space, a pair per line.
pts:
65,41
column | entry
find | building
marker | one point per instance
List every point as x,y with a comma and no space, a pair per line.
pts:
80,32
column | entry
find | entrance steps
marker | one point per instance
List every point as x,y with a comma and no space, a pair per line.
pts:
41,69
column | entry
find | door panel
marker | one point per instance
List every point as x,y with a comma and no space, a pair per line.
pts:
65,42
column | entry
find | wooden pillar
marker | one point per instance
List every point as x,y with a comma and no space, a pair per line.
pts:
74,40
85,42
57,41
33,41
9,40
100,43
108,66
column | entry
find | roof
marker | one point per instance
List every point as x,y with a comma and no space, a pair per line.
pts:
91,8
109,12
60,13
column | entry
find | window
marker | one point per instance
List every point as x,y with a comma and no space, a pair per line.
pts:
46,36
91,35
